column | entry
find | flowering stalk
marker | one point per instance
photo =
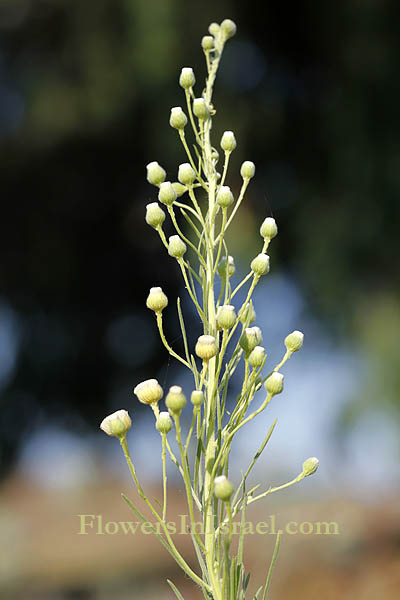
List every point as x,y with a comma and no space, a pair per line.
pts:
227,340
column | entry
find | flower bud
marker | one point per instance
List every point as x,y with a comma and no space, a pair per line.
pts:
156,300
228,28
257,357
197,398
167,194
294,341
187,78
226,265
178,188
260,264
176,247
224,196
223,488
155,173
164,422
228,141
247,169
226,316
149,391
274,384
214,29
200,109
155,216
116,424
268,229
186,174
310,466
207,42
206,347
178,119
175,399
250,338
249,314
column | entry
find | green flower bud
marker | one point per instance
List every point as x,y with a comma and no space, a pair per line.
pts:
179,189
228,28
228,141
223,488
197,398
224,196
175,399
164,422
207,42
200,109
178,119
167,194
116,424
214,29
155,173
250,338
176,247
155,216
187,78
206,347
268,229
156,300
248,169
260,264
294,341
257,357
186,174
274,384
310,466
226,316
226,265
149,391
249,314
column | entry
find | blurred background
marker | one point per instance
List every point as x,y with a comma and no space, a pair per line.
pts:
311,92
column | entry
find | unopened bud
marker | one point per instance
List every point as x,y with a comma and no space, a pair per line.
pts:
294,341
223,488
207,42
249,314
268,229
116,424
200,109
197,398
164,422
226,265
167,194
175,399
228,28
187,78
257,357
224,196
176,247
310,466
274,384
226,316
156,300
178,119
214,29
155,216
149,391
155,173
206,347
260,264
179,189
250,338
247,169
186,174
228,141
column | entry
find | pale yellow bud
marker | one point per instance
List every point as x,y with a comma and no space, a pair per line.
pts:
294,341
155,173
268,229
226,316
310,466
260,264
228,141
164,422
178,119
223,488
206,347
175,399
156,300
149,391
187,78
116,424
274,384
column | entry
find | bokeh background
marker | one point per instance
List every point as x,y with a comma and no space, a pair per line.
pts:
311,91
